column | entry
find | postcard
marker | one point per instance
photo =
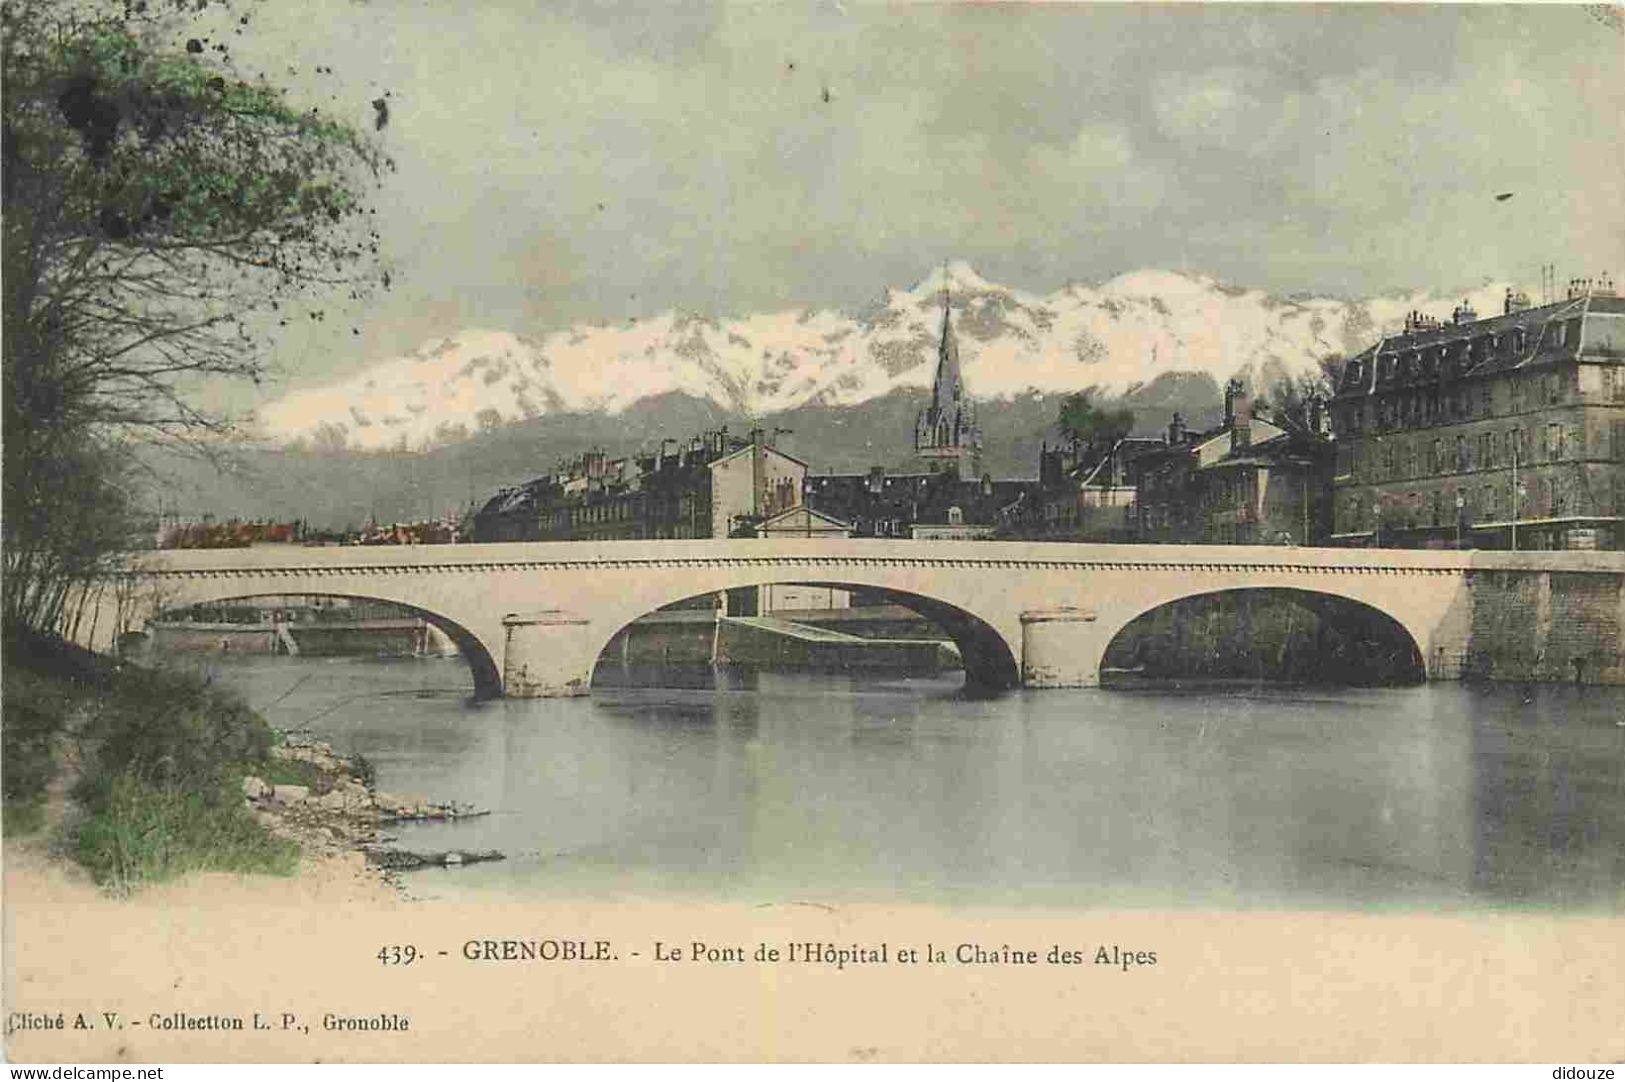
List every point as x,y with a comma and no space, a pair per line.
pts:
724,532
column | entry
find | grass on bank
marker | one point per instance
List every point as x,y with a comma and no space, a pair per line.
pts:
160,757
138,832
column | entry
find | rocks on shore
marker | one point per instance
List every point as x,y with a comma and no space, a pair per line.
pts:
402,860
340,811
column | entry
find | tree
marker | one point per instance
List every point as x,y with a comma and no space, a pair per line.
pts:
1088,426
160,217
1294,400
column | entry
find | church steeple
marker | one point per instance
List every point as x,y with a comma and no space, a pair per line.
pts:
949,386
945,433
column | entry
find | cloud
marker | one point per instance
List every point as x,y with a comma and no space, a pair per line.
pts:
1217,107
575,165
1099,171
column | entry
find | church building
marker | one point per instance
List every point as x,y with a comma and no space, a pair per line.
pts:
947,497
946,436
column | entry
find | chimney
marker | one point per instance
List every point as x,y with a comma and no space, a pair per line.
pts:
1232,391
1317,415
1238,409
1176,428
1049,466
758,472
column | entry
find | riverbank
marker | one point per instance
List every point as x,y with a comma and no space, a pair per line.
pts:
327,804
128,777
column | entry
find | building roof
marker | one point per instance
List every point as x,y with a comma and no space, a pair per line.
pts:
1427,353
914,498
1215,449
766,449
801,509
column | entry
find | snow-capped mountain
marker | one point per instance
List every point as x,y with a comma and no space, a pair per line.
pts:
1126,331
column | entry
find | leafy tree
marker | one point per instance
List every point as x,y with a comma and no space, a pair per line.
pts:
161,215
1091,427
1291,399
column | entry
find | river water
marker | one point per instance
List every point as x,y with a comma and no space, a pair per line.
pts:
827,788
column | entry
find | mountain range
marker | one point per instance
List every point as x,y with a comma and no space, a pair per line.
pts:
1114,337
430,432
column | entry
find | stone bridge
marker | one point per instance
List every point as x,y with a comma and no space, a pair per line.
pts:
532,618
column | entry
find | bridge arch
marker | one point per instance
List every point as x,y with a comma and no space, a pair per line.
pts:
988,656
482,665
1356,641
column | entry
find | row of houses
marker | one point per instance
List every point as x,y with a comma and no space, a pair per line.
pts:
1505,432
722,484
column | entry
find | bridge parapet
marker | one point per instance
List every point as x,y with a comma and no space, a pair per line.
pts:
532,616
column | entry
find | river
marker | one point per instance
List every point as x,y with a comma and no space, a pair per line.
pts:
828,788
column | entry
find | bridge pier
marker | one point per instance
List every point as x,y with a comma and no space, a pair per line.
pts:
546,655
1061,648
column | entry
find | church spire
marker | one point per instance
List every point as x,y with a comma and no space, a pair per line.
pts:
946,435
949,386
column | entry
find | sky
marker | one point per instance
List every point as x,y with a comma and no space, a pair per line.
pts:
576,162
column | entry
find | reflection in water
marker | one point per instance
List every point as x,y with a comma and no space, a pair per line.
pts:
822,787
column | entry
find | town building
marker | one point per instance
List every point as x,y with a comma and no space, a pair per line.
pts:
936,506
715,485
1501,432
1248,482
799,521
1084,493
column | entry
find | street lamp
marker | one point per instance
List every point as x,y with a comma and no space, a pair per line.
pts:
1461,504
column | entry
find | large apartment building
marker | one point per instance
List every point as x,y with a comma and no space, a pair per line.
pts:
1502,432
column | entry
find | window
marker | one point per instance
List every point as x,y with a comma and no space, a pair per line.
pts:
1436,465
1554,442
1461,453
